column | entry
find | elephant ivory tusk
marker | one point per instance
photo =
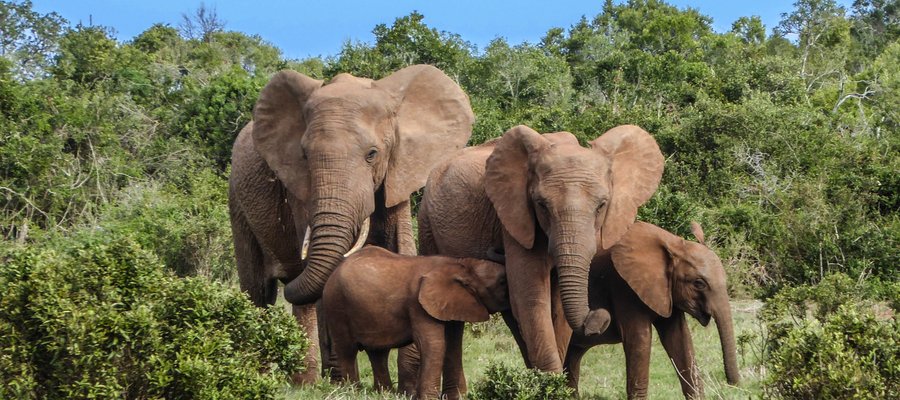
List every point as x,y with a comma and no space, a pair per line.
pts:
305,247
363,235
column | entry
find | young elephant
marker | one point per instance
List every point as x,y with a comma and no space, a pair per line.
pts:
652,277
377,300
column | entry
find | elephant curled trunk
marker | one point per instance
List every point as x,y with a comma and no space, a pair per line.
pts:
328,243
573,256
725,326
334,226
572,291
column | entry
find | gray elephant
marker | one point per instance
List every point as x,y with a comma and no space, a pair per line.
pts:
652,278
321,160
547,202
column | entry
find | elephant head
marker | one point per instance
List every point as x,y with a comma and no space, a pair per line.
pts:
665,270
469,290
335,146
578,197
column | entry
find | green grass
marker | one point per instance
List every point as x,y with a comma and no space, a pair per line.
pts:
602,369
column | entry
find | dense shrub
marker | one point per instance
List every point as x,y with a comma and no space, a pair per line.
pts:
187,227
827,341
849,354
214,115
503,382
99,317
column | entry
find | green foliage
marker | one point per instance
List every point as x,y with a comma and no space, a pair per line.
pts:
28,38
831,341
98,316
213,117
502,382
187,228
87,55
408,41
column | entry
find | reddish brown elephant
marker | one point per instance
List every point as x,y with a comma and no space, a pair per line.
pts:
329,157
550,204
377,300
652,278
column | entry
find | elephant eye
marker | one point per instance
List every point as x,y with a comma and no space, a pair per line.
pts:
371,155
601,205
541,203
699,284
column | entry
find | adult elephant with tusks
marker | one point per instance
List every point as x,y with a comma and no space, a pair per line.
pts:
326,161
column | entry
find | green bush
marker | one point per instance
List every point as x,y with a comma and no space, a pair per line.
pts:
849,354
187,227
99,317
832,341
503,382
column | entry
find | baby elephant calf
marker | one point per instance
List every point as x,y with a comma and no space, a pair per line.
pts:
377,300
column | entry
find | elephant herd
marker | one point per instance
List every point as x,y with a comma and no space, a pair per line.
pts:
325,169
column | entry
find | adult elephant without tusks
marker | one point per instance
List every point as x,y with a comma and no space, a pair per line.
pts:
329,157
549,203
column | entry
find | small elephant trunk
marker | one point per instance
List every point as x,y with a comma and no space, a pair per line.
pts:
725,325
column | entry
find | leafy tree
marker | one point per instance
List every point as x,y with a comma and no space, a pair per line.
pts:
27,38
750,29
87,55
875,24
822,32
408,41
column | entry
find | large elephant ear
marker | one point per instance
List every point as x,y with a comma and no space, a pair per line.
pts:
279,124
506,181
636,166
642,259
434,119
444,295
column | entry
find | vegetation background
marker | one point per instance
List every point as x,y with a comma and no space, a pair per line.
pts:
785,146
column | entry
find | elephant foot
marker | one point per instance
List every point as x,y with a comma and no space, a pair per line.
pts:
596,322
308,377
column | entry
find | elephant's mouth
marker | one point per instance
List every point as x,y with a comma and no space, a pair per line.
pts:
360,241
703,317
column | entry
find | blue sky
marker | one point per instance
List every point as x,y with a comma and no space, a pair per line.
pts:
309,28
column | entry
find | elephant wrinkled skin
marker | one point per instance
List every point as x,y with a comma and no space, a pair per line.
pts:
652,277
328,157
548,203
377,300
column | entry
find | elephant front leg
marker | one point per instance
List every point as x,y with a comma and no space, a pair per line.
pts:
676,339
572,365
454,380
407,369
429,337
391,228
528,278
380,373
636,338
513,326
403,237
306,318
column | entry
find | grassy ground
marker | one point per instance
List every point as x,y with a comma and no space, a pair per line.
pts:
603,368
